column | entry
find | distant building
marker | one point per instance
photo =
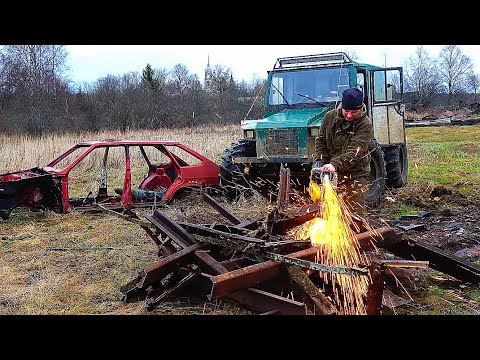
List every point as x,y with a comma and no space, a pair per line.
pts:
208,84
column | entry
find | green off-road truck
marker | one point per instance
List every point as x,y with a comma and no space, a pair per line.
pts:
299,91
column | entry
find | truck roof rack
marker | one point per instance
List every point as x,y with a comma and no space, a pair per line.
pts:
312,60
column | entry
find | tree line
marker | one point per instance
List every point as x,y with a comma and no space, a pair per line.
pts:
448,79
37,97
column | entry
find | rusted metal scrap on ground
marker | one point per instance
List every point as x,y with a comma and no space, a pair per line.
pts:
253,264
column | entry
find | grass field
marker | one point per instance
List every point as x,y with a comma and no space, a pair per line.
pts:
445,155
75,263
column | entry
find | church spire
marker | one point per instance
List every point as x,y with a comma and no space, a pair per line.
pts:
208,76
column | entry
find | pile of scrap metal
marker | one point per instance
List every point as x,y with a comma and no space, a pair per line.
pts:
249,263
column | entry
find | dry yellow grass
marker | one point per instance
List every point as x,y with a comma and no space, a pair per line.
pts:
76,263
22,152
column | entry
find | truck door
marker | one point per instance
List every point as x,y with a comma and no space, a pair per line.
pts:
387,109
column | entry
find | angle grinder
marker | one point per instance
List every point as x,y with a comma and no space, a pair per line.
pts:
316,181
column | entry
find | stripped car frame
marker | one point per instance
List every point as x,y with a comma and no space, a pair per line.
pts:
48,187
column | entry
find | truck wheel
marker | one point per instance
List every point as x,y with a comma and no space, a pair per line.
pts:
232,174
376,180
396,162
4,214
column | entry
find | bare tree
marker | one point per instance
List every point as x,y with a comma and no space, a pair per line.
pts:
351,53
33,81
221,78
474,83
4,88
454,68
180,78
421,77
35,66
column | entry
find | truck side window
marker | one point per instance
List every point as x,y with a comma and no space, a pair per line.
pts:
393,85
379,86
386,86
361,86
361,81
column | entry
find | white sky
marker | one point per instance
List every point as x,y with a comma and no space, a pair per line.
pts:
88,63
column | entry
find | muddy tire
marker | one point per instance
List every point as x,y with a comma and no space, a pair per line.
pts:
5,214
232,176
377,177
6,208
396,162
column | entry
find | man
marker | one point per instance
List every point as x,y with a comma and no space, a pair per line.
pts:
342,147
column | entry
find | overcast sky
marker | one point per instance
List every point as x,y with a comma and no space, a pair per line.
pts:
88,63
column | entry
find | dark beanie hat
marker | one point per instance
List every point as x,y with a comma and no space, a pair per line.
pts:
352,99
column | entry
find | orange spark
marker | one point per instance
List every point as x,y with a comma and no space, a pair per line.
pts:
332,233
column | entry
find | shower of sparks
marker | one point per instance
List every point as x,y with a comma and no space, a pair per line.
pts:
337,246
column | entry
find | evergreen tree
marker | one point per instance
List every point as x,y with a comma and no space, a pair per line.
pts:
149,77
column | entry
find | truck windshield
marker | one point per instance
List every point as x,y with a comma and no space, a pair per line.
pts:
316,86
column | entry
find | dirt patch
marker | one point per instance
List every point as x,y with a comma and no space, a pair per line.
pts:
450,220
442,217
455,230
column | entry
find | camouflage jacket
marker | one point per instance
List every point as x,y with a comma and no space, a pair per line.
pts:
345,144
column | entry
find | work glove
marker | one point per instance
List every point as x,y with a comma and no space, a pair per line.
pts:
317,165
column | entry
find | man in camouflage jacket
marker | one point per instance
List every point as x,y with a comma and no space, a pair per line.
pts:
342,147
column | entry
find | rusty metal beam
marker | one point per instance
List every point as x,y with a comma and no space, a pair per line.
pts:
222,210
251,224
156,271
152,301
438,259
201,230
404,263
240,242
167,249
286,243
210,263
282,226
171,229
220,227
208,232
283,197
375,289
287,259
261,301
253,299
252,275
309,292
234,263
382,237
